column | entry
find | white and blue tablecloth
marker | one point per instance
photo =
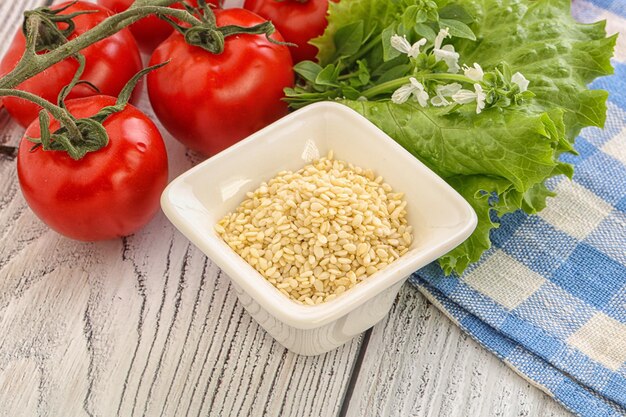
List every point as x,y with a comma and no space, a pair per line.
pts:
549,298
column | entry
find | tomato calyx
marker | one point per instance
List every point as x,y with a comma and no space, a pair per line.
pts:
93,135
208,36
76,136
48,35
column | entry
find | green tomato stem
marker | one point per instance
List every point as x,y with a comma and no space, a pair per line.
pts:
31,64
62,115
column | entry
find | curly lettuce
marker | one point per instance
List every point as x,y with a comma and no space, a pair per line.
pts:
499,160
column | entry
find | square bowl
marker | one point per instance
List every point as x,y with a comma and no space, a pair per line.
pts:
196,200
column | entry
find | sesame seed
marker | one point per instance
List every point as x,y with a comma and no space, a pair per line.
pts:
318,232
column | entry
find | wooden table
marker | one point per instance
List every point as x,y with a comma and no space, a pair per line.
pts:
148,326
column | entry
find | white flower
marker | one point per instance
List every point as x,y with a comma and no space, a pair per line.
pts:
467,96
464,96
475,74
413,88
444,91
480,98
451,58
521,81
402,44
446,53
443,33
402,94
449,89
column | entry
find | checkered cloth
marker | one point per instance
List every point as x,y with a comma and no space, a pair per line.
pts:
550,297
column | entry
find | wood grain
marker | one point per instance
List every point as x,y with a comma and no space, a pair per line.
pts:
418,363
141,326
107,329
148,326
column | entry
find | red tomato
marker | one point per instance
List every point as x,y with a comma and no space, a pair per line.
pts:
298,21
208,101
108,193
110,63
149,31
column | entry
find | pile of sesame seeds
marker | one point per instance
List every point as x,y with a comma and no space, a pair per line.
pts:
318,232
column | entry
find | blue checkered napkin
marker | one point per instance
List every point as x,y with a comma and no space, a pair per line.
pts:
550,297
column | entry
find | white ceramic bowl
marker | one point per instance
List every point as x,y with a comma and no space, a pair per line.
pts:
196,200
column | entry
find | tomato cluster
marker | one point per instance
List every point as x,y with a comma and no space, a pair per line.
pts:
206,100
110,63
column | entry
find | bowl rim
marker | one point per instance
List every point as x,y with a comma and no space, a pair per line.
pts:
264,293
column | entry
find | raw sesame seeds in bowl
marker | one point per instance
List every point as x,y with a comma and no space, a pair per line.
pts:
319,231
318,219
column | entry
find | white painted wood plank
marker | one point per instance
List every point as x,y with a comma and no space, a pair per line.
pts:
115,329
418,363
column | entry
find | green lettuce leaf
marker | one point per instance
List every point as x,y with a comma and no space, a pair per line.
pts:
557,54
376,16
499,159
496,160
